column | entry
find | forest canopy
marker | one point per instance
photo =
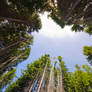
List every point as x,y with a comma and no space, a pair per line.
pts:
78,81
18,19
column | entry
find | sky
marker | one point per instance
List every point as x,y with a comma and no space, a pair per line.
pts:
54,40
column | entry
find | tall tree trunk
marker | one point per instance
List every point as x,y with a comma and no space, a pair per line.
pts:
31,84
6,65
17,21
51,82
81,14
4,50
42,78
70,9
60,83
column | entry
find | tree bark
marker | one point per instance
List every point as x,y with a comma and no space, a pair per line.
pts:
42,79
4,50
70,9
17,20
51,82
4,66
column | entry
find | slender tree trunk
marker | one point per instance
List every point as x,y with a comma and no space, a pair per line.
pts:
61,81
42,79
81,15
6,65
70,9
6,56
31,84
60,84
3,64
17,20
4,50
51,82
85,20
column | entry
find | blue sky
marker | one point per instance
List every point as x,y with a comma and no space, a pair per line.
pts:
53,40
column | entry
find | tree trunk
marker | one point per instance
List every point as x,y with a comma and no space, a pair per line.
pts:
4,50
42,79
51,82
17,21
6,65
70,9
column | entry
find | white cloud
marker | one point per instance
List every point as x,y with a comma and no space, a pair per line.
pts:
52,30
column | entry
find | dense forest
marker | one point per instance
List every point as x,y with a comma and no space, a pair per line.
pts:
39,72
18,20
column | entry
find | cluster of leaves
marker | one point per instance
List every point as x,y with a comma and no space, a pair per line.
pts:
7,78
78,81
89,29
55,74
88,52
69,13
77,28
32,5
15,50
57,20
17,20
36,68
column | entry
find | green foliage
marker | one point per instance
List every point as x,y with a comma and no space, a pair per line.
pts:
16,53
37,22
77,28
89,29
57,20
17,32
7,78
32,5
59,58
69,13
30,74
79,81
77,67
88,52
55,76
